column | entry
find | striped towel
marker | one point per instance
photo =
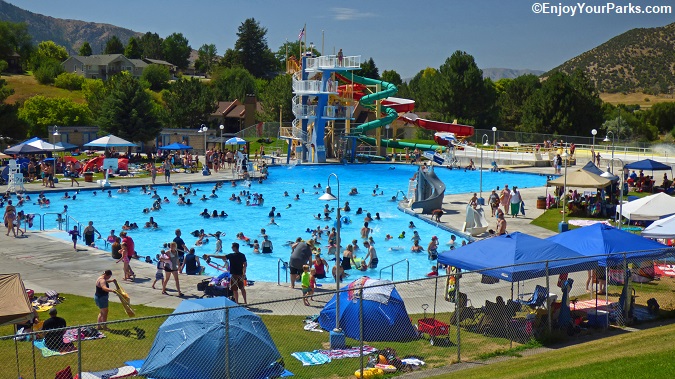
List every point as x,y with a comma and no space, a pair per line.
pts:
311,358
353,352
46,352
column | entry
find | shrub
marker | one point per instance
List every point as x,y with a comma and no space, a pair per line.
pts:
48,71
69,81
156,76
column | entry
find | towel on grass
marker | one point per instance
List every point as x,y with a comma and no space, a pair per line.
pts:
46,352
70,335
313,327
311,358
353,352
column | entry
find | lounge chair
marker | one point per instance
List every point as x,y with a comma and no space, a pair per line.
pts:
538,298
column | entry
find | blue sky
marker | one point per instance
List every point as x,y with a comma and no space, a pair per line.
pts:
405,36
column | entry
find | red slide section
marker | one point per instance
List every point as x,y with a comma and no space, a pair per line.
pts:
438,126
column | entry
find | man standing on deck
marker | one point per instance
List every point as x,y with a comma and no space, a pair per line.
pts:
301,255
182,248
238,267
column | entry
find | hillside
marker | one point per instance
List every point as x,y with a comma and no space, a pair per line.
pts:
639,60
507,73
69,33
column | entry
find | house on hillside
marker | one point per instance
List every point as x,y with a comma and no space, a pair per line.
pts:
172,68
102,66
236,116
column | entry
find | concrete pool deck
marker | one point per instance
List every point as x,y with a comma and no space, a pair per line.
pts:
45,262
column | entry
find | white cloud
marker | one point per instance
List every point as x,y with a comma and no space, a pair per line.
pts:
348,14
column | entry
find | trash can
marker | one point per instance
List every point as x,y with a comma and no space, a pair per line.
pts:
481,201
541,202
88,176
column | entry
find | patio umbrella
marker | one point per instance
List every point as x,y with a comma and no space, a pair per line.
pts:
4,156
23,149
66,145
235,141
45,146
647,164
175,146
110,141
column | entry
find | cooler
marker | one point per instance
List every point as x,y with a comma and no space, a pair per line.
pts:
337,340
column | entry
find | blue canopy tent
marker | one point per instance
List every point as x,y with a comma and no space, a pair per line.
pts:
384,315
66,145
516,257
175,146
611,243
217,343
647,164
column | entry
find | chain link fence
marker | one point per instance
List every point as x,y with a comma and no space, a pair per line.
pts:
438,320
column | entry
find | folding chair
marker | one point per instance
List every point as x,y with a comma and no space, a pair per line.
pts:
538,299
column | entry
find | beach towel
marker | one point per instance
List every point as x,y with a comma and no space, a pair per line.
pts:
46,352
313,327
115,373
311,358
353,352
124,299
70,335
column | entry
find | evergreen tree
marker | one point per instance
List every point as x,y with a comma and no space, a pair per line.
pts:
176,50
85,49
127,110
252,51
511,100
114,46
133,49
369,70
188,103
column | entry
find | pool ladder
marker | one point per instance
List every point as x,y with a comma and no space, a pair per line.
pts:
280,265
407,275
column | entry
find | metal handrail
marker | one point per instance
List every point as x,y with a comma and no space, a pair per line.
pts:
79,225
280,264
39,218
42,216
392,269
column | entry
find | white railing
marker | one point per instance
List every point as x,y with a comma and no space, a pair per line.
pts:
338,111
299,133
304,111
332,61
312,86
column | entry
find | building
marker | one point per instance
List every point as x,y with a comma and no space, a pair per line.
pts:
102,66
13,63
235,115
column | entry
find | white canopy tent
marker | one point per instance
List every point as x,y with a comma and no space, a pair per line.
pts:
663,228
649,208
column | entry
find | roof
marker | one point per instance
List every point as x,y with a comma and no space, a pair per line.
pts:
159,61
98,60
138,63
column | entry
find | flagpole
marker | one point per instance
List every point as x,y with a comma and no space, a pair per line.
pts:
322,40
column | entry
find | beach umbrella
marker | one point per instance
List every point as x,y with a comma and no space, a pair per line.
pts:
45,146
23,149
235,141
175,146
4,156
110,141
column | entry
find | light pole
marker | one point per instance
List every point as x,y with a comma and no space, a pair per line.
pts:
328,196
494,141
203,129
607,140
485,141
593,132
562,227
387,137
221,137
618,219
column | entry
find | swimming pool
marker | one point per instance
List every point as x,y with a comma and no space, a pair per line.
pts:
296,216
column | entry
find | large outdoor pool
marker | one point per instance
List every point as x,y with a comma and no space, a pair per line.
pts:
296,215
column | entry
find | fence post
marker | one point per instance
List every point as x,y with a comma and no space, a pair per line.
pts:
548,306
458,312
361,329
79,352
227,342
628,299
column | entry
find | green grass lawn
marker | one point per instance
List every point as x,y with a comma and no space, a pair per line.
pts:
643,354
25,86
132,339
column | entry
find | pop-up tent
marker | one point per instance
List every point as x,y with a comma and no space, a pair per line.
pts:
647,164
663,228
611,243
515,257
15,307
199,343
384,315
581,179
652,207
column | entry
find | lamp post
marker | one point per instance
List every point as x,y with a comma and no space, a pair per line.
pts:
562,227
485,139
387,137
593,132
328,196
221,137
203,129
607,140
618,219
494,141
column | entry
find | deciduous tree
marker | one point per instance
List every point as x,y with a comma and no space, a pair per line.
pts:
151,46
14,37
127,110
392,77
85,49
275,96
39,112
157,76
176,50
514,94
188,103
232,83
206,58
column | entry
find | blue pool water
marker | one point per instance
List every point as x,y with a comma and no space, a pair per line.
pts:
296,216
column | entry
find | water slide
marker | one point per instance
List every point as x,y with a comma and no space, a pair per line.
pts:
368,101
430,191
476,223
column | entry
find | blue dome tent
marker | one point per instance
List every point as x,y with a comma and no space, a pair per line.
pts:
384,315
233,342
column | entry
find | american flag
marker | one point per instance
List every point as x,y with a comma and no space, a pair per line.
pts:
302,34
